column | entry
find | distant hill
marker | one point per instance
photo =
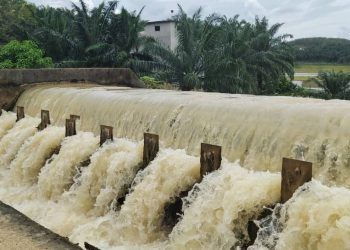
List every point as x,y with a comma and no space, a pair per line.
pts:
319,49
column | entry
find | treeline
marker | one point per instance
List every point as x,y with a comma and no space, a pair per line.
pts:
330,50
74,37
214,53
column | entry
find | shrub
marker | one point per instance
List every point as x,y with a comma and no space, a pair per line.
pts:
24,54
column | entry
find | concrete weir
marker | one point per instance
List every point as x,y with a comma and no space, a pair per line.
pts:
17,231
14,81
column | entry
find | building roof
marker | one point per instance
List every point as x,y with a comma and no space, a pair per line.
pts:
161,21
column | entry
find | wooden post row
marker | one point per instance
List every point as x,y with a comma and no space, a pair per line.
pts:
210,158
150,148
295,173
106,134
45,119
20,113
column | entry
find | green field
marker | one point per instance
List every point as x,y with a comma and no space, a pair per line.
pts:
317,67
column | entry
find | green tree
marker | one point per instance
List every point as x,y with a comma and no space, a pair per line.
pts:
24,54
229,70
185,65
16,20
120,40
225,55
321,49
271,56
335,84
83,37
53,33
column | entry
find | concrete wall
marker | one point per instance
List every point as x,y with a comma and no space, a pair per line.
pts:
105,76
166,35
14,81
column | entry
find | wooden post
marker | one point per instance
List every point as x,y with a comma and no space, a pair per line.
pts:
106,134
45,119
75,117
150,148
210,158
295,173
70,127
210,161
20,113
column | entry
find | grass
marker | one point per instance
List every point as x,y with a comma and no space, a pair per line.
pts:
301,78
310,83
317,67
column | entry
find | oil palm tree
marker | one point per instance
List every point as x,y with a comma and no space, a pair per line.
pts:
228,70
185,65
53,32
91,28
336,84
122,38
270,56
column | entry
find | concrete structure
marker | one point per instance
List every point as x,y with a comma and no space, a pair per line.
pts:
163,31
17,231
14,81
105,76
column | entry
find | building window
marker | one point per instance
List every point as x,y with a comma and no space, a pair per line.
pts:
157,28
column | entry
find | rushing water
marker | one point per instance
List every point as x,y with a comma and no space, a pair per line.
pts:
102,196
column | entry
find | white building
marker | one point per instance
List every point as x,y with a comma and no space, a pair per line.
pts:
163,31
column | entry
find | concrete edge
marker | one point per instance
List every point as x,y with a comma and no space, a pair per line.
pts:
35,231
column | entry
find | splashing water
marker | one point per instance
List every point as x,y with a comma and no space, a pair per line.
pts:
317,217
13,140
96,188
141,216
217,211
33,155
57,175
82,199
7,121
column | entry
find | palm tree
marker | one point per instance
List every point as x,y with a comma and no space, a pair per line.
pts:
83,37
185,65
107,38
53,32
91,28
335,84
16,20
228,71
122,38
270,56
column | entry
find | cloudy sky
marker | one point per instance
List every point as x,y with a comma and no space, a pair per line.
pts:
302,18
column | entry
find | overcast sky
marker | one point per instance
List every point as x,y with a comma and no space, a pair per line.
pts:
302,18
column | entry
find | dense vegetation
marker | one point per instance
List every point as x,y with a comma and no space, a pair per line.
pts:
334,84
214,53
222,54
26,54
330,50
76,37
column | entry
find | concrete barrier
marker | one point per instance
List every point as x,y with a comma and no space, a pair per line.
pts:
14,81
105,76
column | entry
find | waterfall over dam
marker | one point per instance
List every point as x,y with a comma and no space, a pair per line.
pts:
103,195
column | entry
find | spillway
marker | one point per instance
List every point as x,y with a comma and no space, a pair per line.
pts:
256,130
77,190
